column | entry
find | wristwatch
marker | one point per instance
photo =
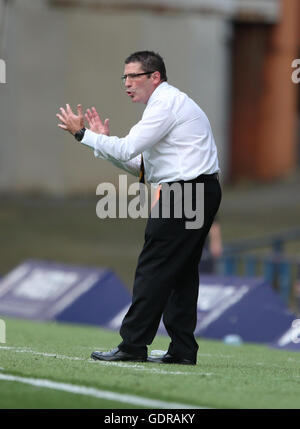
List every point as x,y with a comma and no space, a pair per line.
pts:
79,134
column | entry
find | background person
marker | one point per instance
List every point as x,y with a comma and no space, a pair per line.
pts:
212,250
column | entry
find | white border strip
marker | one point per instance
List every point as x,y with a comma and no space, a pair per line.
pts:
97,393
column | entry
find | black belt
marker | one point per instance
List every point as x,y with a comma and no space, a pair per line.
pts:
207,177
201,178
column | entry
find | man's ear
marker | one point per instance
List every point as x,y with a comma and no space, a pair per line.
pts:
156,75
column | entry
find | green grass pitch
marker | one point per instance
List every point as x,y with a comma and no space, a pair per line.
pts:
247,376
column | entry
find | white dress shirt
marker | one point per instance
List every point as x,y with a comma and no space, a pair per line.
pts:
174,136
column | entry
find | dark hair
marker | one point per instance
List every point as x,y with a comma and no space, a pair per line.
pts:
150,61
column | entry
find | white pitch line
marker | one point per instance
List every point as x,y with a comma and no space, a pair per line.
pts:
28,350
97,393
215,355
152,370
135,367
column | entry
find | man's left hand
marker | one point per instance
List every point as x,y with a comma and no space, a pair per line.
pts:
70,121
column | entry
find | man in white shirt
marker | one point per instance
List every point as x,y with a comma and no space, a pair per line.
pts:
172,143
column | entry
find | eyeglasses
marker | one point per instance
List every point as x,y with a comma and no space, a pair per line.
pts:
134,75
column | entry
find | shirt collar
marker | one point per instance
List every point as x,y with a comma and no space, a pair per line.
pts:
157,91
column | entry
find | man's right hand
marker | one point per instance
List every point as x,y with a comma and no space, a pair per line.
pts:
95,122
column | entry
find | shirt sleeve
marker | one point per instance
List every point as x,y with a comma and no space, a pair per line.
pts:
132,166
157,122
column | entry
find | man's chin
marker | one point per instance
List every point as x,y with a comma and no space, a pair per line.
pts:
136,99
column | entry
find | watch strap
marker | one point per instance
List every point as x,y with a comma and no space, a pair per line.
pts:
79,134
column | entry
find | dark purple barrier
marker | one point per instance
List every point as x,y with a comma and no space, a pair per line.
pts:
52,291
290,339
247,307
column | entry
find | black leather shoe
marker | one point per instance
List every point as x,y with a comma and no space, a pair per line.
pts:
168,358
116,355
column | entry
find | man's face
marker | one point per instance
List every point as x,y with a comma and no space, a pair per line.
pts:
140,88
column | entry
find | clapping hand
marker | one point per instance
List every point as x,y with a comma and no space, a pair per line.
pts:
96,123
73,123
70,121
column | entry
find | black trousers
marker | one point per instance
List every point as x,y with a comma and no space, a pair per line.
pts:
167,277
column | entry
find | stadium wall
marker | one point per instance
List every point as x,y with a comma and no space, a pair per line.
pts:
60,55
